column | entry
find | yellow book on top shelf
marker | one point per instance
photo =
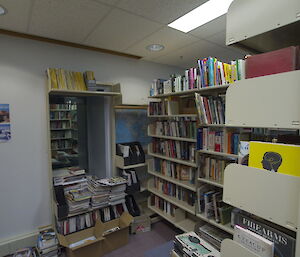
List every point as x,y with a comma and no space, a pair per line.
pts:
281,158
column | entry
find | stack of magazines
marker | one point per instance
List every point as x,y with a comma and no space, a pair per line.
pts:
117,189
47,243
99,193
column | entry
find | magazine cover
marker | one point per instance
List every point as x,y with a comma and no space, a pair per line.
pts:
5,134
281,158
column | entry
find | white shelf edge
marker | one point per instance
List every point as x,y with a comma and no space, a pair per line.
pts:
227,228
172,200
187,163
193,140
228,155
131,166
192,91
173,180
207,181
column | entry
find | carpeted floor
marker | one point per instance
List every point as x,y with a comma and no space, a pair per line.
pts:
161,232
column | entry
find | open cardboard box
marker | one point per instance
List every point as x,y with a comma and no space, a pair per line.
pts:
102,244
117,238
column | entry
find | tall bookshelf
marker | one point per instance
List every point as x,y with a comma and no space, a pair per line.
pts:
185,217
88,125
266,33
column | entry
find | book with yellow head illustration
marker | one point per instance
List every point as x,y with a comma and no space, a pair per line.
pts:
281,158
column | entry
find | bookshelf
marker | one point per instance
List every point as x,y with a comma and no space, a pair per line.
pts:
89,129
180,128
268,32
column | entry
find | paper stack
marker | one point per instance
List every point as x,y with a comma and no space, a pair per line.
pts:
47,243
99,193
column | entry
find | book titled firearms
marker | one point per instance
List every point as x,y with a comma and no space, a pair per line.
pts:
284,245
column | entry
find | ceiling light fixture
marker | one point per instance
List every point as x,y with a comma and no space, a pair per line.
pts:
206,12
2,10
155,47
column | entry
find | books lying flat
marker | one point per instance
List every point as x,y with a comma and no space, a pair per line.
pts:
279,158
254,242
192,245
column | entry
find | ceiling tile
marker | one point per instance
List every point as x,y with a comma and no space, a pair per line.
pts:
120,29
17,16
170,38
109,2
163,11
187,57
68,20
209,29
218,38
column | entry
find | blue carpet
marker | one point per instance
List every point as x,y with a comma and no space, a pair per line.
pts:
163,250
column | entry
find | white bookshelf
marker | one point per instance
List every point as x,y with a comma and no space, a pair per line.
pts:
181,204
185,225
270,101
181,183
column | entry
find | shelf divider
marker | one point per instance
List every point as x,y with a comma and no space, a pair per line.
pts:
272,196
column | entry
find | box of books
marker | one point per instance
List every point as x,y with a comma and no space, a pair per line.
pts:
116,232
87,242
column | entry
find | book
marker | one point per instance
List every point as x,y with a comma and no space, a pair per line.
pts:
281,158
243,152
284,244
254,242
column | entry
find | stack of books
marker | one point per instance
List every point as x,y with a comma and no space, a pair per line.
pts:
66,177
210,72
99,193
78,199
117,189
47,243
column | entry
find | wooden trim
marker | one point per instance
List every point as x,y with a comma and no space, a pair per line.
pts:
65,43
131,107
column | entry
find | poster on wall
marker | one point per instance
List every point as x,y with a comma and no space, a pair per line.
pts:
4,123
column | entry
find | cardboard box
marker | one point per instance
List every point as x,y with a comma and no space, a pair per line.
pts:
93,248
140,224
117,238
102,244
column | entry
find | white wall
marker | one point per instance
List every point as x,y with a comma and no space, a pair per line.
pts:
24,189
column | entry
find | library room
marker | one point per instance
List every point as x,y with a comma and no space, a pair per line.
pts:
149,128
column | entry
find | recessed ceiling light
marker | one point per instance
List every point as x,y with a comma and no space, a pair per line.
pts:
2,10
155,47
206,12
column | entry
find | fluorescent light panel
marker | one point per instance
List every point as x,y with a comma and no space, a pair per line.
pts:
201,15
